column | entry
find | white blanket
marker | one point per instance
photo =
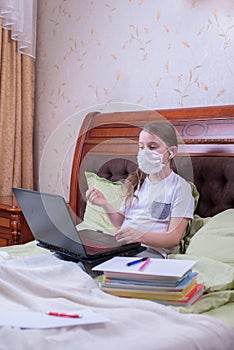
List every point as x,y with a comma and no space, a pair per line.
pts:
45,283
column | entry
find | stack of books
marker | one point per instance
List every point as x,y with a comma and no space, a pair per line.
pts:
167,281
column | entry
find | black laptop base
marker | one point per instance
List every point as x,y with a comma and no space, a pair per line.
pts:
88,263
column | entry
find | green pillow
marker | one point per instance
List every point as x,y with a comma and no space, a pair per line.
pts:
193,226
95,217
195,194
215,239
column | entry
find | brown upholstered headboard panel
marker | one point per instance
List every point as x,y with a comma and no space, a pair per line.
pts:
107,145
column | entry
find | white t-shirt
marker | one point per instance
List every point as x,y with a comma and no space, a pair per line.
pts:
157,203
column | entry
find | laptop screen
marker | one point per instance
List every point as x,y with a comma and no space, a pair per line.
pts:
48,218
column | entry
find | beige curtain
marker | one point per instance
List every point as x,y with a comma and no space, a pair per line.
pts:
16,116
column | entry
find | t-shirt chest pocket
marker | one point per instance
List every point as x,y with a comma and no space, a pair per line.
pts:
160,210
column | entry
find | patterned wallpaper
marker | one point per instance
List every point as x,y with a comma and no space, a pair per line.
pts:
123,55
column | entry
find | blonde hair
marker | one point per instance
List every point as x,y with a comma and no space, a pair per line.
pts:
166,132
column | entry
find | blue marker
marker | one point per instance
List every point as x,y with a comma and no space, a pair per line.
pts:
136,261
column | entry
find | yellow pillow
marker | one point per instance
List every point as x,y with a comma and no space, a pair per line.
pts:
215,239
95,217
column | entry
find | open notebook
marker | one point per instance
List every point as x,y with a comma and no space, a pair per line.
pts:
50,221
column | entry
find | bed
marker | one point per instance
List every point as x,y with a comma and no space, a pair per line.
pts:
105,153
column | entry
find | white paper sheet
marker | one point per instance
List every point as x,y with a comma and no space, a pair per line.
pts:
31,319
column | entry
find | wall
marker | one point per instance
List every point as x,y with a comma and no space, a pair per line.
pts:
121,55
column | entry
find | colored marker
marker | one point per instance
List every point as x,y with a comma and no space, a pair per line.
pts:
130,263
144,264
63,314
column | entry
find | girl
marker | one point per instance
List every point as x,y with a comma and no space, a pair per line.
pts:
158,202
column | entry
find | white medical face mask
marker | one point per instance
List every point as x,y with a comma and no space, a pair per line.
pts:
150,162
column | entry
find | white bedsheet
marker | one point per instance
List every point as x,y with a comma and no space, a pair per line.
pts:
45,283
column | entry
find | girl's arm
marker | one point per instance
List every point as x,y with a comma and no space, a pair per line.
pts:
96,197
168,239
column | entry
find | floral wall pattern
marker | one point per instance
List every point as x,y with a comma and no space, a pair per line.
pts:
121,55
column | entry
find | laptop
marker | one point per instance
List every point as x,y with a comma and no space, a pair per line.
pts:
50,221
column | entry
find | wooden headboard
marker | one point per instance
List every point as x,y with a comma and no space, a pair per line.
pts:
108,143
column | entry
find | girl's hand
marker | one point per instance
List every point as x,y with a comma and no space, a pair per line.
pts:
96,197
128,235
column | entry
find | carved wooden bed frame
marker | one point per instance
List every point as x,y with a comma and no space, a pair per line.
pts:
107,145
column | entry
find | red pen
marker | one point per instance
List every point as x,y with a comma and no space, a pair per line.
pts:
144,264
63,314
